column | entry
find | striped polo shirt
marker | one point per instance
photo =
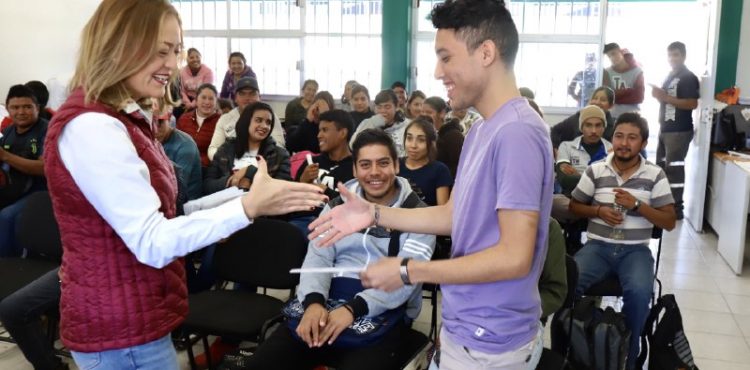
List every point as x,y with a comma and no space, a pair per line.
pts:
648,184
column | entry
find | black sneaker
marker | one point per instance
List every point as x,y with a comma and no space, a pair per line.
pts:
236,360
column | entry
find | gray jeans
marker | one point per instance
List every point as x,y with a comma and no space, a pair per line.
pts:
670,155
454,356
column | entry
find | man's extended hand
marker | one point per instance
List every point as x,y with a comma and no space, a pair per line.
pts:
311,325
338,320
354,215
383,275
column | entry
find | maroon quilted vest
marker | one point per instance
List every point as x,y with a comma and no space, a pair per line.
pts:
109,299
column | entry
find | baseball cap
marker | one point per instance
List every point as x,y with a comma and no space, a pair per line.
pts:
246,83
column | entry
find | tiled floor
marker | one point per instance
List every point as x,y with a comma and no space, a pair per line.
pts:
715,303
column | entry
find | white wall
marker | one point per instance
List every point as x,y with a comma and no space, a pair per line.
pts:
743,59
39,39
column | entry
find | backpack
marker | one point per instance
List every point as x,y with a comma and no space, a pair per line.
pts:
599,339
669,346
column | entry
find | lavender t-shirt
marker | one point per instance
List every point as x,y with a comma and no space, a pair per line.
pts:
506,163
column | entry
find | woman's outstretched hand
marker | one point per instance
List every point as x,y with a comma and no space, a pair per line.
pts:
271,197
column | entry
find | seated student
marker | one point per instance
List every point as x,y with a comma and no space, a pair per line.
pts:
346,98
553,282
296,109
573,157
332,166
234,163
399,88
246,93
238,69
429,178
389,119
465,117
623,197
360,105
569,128
450,133
225,105
200,123
21,315
305,135
194,75
21,163
182,151
414,104
39,89
314,340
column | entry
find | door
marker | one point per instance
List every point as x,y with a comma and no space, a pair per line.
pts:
696,162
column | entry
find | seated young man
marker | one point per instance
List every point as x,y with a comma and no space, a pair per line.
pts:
21,163
314,342
332,166
573,157
623,197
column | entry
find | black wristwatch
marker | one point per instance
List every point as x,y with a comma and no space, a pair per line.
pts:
637,205
405,272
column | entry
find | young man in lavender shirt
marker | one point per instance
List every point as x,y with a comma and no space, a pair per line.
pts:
499,212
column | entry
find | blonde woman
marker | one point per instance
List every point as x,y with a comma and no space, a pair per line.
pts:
113,192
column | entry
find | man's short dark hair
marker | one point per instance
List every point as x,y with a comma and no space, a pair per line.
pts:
20,91
398,84
476,21
373,136
677,46
40,91
611,46
386,96
342,119
636,120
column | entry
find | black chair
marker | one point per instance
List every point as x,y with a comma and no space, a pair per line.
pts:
611,287
38,233
415,342
260,255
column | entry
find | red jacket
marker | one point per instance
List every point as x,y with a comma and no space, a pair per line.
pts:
188,123
109,299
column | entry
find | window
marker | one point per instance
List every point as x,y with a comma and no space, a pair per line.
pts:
555,36
289,41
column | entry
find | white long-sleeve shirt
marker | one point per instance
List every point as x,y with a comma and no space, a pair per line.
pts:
100,156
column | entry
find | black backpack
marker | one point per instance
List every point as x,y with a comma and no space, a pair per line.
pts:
599,339
668,344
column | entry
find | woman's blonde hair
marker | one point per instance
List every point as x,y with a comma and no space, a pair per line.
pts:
119,40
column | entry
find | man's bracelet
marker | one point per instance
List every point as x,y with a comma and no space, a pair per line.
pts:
405,271
350,309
